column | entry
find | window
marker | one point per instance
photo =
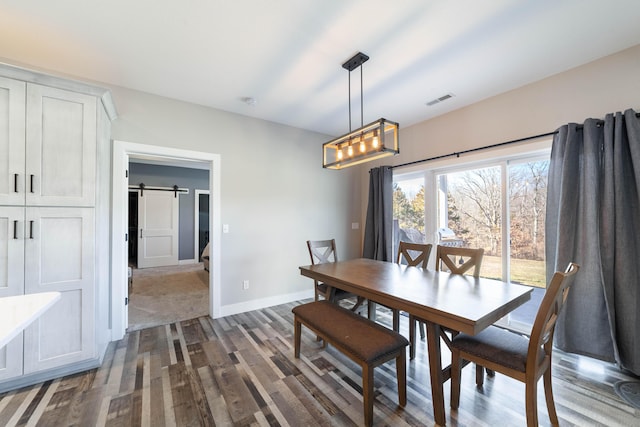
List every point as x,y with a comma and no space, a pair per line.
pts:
496,204
408,211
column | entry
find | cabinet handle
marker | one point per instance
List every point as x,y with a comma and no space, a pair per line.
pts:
15,182
31,183
15,229
141,233
31,229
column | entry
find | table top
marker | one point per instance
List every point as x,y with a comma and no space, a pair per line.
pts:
461,303
17,312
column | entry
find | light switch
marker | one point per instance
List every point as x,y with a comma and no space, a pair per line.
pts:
355,225
225,228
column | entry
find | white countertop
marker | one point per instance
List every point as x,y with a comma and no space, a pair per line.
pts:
17,312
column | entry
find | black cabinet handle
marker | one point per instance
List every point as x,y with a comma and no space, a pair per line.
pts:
31,229
15,229
15,182
31,183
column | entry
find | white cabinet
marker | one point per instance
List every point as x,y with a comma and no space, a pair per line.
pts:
60,147
11,280
59,256
12,139
50,132
49,155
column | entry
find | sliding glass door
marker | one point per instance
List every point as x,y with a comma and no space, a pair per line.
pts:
498,205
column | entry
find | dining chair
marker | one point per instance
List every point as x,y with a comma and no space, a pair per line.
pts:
321,252
457,261
413,255
524,359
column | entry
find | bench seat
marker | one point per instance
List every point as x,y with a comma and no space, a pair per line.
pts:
363,341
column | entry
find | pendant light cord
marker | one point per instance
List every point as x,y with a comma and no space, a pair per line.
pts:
349,101
361,99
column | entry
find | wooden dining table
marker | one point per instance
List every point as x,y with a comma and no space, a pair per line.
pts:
442,300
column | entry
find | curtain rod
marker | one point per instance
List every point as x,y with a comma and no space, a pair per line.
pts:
457,154
486,147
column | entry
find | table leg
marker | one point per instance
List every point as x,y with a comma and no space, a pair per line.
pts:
435,369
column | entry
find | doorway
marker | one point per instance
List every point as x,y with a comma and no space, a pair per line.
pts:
201,225
122,153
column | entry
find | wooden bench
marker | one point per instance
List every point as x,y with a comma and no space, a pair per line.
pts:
363,341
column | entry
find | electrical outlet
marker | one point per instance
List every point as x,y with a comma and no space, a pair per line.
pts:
245,284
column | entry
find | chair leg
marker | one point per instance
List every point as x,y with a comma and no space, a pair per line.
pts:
456,372
396,320
371,310
479,375
412,337
358,303
421,325
367,394
401,373
297,331
531,395
548,394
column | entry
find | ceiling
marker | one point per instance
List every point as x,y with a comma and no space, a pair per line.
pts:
288,54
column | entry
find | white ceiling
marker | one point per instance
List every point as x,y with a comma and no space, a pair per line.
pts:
287,54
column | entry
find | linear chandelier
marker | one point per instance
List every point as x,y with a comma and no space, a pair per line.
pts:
374,141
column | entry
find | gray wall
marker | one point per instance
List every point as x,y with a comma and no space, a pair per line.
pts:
168,176
274,193
603,86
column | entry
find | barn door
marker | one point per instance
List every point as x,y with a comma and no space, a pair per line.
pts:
157,228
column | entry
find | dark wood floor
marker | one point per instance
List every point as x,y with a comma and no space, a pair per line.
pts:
240,370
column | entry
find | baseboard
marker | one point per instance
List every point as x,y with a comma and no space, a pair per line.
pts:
231,309
38,377
187,261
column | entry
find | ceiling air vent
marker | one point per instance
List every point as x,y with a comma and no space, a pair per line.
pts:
438,100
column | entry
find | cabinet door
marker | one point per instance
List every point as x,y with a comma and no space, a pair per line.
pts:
12,174
60,147
11,280
59,256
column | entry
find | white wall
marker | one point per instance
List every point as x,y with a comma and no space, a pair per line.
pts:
275,194
607,85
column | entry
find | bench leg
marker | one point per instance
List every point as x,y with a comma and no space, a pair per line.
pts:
367,394
401,373
297,331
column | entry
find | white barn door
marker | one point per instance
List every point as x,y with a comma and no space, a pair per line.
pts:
158,228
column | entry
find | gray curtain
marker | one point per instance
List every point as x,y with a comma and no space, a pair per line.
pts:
593,218
379,224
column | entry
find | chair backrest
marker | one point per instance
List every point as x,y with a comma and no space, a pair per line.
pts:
459,260
322,251
552,302
415,254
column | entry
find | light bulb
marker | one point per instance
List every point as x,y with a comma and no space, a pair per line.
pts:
375,142
362,146
350,150
339,153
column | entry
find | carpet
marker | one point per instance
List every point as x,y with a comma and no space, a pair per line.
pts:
165,295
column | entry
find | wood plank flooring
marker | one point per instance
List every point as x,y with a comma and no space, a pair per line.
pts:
240,371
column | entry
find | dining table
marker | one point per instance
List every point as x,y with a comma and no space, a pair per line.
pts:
442,300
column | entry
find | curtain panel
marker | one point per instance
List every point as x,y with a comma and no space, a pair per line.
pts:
593,219
379,223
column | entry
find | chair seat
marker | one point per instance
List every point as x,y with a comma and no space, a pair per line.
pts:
499,345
